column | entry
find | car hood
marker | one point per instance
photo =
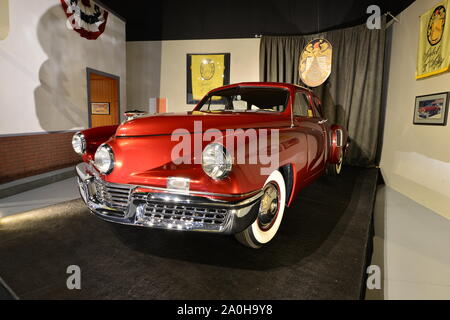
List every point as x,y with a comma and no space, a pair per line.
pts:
180,123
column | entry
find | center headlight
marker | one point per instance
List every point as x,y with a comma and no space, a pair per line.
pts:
104,159
216,161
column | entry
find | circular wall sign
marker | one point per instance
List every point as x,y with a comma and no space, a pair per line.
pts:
436,25
315,62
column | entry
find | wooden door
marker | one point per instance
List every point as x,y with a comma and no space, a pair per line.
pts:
103,90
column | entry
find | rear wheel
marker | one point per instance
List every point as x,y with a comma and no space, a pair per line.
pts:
270,214
335,169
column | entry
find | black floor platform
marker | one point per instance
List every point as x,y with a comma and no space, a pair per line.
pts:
319,253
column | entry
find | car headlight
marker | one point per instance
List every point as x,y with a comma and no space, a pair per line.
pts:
104,159
79,143
216,161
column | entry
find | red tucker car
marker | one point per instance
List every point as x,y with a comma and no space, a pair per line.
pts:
430,110
230,166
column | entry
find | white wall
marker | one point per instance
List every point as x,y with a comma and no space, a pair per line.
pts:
415,159
244,65
43,68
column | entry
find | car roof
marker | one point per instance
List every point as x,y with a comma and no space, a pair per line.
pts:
288,86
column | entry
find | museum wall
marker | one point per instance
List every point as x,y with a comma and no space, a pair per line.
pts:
43,95
143,67
416,158
43,68
143,73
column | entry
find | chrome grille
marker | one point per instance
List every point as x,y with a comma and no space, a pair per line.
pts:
115,196
159,213
176,214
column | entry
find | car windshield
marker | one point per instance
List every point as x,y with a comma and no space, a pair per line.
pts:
246,100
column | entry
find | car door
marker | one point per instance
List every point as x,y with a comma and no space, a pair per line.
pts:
324,124
307,121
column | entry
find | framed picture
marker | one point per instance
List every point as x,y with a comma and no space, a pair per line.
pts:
206,72
4,19
432,109
101,108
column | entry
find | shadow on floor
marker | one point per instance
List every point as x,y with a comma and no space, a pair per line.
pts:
319,252
298,238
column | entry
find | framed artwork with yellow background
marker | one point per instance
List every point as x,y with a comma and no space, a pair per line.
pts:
4,19
206,72
434,45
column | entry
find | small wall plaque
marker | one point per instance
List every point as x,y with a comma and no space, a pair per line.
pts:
101,108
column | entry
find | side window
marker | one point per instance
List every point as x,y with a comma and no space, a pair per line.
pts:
301,105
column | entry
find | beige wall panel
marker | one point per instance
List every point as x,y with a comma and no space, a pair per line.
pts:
143,73
416,159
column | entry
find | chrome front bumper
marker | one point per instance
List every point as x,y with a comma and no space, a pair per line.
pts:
165,209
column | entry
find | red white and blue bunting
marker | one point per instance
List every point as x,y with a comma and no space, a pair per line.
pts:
85,17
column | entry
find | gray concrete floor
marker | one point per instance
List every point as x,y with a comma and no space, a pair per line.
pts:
319,252
411,246
51,194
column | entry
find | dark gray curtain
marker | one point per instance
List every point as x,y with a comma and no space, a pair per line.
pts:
351,97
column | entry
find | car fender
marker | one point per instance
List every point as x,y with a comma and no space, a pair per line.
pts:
95,137
339,141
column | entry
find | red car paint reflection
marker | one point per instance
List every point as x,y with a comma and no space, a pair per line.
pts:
142,184
142,147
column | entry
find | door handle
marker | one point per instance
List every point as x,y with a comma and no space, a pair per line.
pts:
323,121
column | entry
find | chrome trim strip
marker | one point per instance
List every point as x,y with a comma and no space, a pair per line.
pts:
199,202
194,132
173,191
339,138
9,290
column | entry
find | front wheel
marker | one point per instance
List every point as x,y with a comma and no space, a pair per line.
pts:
271,210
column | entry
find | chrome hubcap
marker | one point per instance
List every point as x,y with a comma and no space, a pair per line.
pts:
339,164
268,211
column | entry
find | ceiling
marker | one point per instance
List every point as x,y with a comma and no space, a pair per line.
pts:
194,19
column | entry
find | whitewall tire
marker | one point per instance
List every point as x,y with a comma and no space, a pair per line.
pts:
271,211
335,169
